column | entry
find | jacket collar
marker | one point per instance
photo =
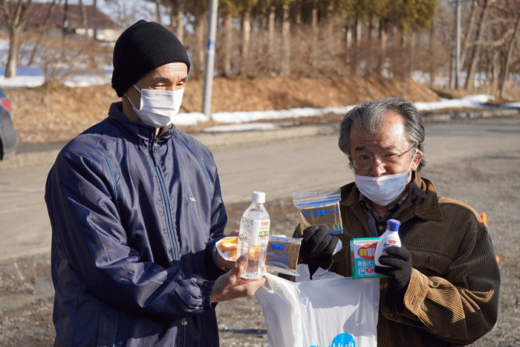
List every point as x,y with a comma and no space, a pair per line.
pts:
145,133
424,207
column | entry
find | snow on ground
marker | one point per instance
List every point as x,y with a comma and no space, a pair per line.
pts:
238,121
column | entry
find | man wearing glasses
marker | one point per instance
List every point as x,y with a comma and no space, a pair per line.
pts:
443,283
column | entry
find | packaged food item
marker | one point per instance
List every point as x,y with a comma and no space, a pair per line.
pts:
227,248
282,254
319,208
362,253
254,236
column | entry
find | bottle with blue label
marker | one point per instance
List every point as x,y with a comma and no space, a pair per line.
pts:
254,236
389,239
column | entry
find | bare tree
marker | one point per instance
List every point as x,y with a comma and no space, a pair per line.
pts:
16,14
158,15
228,41
84,19
41,33
286,46
509,55
475,54
177,17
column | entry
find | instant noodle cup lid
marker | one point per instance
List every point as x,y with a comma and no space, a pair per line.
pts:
258,197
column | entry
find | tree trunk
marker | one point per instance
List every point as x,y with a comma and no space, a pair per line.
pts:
348,41
383,40
452,72
348,36
84,21
493,70
355,53
15,16
508,57
357,29
432,52
286,44
270,44
158,11
469,32
330,20
42,33
314,28
94,20
200,41
470,79
228,40
246,38
179,19
298,22
65,25
14,49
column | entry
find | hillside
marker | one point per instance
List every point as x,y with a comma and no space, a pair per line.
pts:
58,113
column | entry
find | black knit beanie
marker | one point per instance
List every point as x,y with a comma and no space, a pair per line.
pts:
142,48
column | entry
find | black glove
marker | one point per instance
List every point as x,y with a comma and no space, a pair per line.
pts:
317,248
399,260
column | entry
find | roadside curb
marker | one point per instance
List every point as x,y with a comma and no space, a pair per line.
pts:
37,157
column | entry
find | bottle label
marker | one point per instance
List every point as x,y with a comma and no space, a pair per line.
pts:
254,231
389,243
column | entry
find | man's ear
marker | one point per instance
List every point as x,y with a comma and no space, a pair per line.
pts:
418,157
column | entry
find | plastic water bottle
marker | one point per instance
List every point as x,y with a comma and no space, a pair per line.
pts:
254,236
389,239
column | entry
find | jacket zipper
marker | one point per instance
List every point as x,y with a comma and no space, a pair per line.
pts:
165,197
184,322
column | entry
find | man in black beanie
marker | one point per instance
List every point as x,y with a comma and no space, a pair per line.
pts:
136,211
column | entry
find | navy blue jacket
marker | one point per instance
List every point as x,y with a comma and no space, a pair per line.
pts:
134,222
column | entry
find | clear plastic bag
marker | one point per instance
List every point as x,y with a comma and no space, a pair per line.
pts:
319,208
282,254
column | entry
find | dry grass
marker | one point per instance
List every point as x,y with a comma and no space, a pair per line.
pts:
59,113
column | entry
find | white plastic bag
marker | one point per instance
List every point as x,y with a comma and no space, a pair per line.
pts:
335,312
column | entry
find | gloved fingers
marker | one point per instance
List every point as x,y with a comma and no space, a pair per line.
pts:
315,242
319,234
399,253
333,243
394,263
325,256
323,245
308,232
383,270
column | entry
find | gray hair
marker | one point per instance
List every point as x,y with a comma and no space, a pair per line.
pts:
367,118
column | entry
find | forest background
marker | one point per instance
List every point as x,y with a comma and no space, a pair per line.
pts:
270,54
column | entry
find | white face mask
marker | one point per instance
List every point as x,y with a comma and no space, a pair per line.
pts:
385,189
158,107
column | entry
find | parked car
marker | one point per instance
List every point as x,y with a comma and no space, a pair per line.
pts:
8,134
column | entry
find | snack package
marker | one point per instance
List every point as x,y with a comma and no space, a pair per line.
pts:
362,253
282,254
319,208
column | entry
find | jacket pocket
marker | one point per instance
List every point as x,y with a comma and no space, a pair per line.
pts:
430,263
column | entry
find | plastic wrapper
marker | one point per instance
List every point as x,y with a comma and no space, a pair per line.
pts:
282,254
319,208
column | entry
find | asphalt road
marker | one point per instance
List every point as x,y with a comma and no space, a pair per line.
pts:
277,167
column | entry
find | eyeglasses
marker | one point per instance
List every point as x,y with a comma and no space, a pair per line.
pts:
364,162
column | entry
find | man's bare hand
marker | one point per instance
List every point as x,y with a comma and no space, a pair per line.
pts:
230,286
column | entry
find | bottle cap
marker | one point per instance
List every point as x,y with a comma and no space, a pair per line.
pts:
258,197
393,225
